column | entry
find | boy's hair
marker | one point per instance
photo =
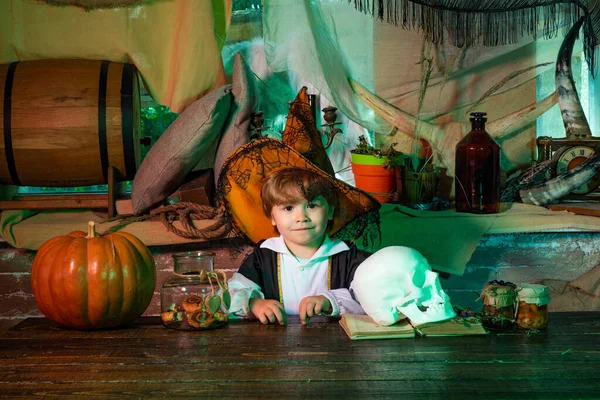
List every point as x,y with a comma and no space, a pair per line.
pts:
291,185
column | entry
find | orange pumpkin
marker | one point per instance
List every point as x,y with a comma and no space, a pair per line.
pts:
90,282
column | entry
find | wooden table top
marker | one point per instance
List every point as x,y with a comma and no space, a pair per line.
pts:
249,360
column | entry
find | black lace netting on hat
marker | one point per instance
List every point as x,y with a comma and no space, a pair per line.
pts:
265,156
302,135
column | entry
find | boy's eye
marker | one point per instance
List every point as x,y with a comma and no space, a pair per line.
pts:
288,208
312,205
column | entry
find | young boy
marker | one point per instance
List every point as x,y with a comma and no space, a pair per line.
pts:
303,271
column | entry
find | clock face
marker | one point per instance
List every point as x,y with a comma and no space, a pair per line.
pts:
570,158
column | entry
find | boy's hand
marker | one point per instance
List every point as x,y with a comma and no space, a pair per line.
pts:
313,305
268,311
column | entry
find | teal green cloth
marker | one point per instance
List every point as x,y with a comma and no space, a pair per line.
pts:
8,219
448,239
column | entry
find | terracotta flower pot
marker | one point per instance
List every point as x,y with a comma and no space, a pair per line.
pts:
371,176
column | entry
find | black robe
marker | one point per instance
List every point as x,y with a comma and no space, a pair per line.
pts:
261,268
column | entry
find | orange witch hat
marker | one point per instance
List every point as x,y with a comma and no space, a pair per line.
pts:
243,173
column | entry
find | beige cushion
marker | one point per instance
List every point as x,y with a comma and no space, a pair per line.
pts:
187,140
245,97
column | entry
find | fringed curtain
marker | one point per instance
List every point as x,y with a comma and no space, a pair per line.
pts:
489,22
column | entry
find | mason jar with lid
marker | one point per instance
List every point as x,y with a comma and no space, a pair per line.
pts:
532,312
194,297
499,299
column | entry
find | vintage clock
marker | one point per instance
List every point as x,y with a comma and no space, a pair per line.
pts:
567,154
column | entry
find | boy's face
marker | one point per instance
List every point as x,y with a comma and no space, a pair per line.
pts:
303,223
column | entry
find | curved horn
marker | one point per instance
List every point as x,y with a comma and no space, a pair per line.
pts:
570,107
521,118
563,184
405,122
576,125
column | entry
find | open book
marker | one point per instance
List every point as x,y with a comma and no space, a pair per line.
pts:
359,327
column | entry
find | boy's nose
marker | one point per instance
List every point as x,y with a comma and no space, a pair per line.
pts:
301,215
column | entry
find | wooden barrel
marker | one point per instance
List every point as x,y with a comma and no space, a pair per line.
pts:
65,122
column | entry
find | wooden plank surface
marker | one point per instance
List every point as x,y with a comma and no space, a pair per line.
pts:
58,202
464,389
592,209
249,360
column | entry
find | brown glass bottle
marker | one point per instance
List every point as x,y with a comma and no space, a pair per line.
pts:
477,180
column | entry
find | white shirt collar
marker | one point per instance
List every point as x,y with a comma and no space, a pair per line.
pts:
328,248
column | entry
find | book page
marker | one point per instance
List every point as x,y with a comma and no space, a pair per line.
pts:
451,327
363,327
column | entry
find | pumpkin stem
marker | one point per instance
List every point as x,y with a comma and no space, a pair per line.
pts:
91,230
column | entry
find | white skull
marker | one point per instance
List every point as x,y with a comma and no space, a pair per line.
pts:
397,282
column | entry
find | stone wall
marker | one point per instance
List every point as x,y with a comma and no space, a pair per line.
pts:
525,258
514,257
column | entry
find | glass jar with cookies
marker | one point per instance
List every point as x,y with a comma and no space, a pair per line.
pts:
194,296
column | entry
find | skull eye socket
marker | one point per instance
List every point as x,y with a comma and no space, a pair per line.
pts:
419,280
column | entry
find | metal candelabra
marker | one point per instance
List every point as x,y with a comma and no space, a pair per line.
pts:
329,129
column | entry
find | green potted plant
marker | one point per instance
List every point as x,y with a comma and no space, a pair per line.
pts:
375,169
